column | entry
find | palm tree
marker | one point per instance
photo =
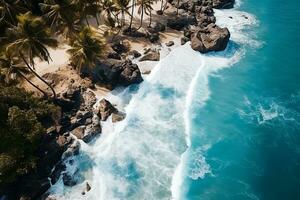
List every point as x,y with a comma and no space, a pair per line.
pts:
9,9
122,6
109,9
145,6
61,15
12,68
87,8
29,39
86,49
132,12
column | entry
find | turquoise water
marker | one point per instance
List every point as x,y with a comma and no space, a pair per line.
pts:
248,133
218,126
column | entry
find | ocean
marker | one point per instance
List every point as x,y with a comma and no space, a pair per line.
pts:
218,126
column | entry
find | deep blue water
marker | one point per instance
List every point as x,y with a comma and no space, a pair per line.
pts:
249,130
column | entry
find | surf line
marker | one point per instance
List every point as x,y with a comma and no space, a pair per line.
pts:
177,178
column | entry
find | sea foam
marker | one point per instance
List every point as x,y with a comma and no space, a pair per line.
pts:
144,156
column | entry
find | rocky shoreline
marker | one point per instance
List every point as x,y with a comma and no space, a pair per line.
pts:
81,119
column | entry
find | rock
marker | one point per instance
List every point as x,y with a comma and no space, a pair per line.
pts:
112,74
184,40
58,169
114,55
153,55
153,37
68,179
119,116
92,130
189,5
79,132
146,72
119,47
212,38
223,4
105,109
156,27
72,150
135,53
130,73
204,15
133,32
170,43
159,12
88,187
180,22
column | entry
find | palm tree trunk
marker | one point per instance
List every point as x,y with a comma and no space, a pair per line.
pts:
97,20
177,7
87,21
31,83
142,16
150,19
39,77
131,17
161,5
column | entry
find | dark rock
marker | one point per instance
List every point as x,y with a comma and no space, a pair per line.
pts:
184,40
153,37
133,32
119,47
204,15
105,109
68,179
211,38
159,12
114,55
92,130
130,73
135,53
170,43
223,4
88,187
180,22
117,73
189,5
156,27
72,150
119,116
153,55
59,168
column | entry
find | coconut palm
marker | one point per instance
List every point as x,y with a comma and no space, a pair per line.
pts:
9,10
144,6
13,69
61,15
85,49
88,8
29,39
132,12
122,6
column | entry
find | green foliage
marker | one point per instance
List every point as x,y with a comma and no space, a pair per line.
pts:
21,118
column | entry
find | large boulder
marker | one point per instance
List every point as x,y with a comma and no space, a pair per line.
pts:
222,4
105,109
211,38
156,27
115,73
190,5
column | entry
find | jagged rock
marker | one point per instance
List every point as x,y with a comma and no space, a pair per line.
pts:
180,22
89,99
189,5
153,55
130,73
117,73
133,32
72,150
105,109
88,187
68,179
222,4
159,12
116,117
170,43
153,37
114,55
135,53
119,47
184,40
204,15
59,168
211,38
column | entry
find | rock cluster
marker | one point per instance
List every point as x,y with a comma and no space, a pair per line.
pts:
204,34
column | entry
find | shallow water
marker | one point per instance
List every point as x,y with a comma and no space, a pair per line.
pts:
217,126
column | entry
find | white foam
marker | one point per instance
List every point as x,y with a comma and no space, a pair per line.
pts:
143,156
